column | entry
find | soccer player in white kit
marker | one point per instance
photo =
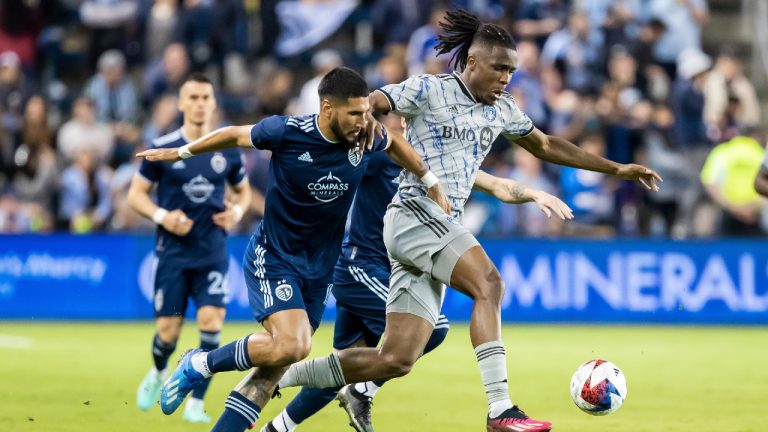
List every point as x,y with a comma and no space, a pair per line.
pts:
452,120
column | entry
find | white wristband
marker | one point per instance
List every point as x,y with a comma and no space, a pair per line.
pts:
429,179
238,211
184,152
159,215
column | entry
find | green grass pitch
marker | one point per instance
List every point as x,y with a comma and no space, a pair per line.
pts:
83,377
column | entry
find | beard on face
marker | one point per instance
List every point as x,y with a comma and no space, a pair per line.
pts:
336,128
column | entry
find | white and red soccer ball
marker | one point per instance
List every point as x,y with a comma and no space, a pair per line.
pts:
598,387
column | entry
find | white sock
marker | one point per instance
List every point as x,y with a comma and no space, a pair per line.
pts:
316,373
367,388
284,423
492,359
200,364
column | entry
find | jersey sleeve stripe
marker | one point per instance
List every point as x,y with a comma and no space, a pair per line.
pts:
528,132
391,101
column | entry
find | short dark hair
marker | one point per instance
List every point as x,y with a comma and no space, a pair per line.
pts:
342,83
461,30
198,77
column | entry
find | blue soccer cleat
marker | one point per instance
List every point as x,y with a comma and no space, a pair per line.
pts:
184,379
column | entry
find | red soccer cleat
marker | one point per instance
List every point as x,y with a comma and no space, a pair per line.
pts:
515,420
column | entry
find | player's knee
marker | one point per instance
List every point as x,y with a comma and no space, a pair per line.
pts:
292,350
491,288
397,365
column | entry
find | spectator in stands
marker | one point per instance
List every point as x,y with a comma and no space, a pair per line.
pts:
395,20
110,22
579,50
421,45
683,20
165,76
323,62
728,177
727,87
85,133
526,85
589,194
159,26
211,30
538,19
20,23
15,89
36,173
86,201
661,153
687,102
526,218
116,103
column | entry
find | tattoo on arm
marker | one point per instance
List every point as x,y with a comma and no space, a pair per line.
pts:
516,192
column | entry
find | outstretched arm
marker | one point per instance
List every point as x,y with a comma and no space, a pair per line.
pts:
512,192
562,152
220,139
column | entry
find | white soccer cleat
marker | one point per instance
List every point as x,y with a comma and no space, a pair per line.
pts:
194,411
149,390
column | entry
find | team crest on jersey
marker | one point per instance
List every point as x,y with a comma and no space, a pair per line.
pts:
486,138
354,157
284,292
489,113
327,188
198,190
218,163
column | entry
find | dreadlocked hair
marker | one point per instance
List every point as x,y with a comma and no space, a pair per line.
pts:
462,29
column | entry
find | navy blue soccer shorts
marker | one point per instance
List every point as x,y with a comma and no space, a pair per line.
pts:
360,288
175,285
273,287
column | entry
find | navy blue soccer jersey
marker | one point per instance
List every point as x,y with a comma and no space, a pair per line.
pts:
312,183
196,186
365,240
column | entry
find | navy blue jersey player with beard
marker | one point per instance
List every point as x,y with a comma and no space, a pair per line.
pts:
315,170
360,286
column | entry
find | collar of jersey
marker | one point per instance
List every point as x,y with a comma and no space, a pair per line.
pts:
463,86
184,137
317,128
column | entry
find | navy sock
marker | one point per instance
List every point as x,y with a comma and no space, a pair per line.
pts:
239,414
161,352
209,341
438,334
233,356
309,401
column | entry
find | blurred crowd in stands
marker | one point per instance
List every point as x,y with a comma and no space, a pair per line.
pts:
85,84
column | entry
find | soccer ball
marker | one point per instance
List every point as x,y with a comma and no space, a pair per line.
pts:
598,387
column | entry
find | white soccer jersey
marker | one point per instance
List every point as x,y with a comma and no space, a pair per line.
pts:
451,130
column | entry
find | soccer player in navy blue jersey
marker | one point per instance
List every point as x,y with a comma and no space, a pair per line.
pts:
192,218
315,169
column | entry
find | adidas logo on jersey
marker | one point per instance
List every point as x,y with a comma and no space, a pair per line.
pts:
305,157
179,165
454,110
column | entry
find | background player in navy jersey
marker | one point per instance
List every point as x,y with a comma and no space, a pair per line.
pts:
452,120
361,284
315,170
192,217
